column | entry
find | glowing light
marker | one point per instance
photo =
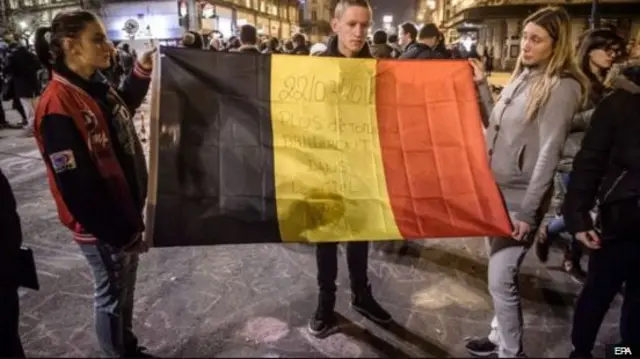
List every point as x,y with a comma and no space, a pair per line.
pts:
23,25
467,42
387,19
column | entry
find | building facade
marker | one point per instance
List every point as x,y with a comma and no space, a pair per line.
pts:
138,22
22,17
315,18
495,25
429,11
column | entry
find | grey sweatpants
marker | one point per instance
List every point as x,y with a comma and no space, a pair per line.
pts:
505,257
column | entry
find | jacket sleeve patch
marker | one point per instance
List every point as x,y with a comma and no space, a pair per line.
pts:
63,161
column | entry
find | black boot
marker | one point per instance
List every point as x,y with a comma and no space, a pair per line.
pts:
324,322
364,303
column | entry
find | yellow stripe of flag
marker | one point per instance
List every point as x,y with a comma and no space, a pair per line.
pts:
329,176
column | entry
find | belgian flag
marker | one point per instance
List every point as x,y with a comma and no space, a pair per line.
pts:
250,148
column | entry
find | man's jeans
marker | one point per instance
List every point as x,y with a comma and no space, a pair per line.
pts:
114,275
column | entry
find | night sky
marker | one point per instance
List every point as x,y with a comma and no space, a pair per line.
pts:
402,10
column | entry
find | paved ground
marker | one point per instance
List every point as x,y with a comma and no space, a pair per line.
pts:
254,300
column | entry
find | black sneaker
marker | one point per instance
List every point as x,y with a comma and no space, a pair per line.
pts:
368,307
482,347
324,321
576,273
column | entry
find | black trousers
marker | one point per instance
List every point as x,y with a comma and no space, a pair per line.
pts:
17,105
615,264
10,344
357,262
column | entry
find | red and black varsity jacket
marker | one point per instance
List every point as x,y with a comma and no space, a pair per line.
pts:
90,179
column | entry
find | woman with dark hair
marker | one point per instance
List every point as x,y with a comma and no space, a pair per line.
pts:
596,53
95,164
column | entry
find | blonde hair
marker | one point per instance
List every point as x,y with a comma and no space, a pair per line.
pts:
562,63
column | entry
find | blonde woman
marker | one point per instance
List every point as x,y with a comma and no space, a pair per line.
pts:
526,131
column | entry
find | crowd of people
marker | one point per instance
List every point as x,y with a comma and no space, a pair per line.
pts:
566,117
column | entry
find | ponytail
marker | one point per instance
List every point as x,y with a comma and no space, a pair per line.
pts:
43,47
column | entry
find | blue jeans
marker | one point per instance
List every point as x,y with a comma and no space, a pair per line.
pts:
114,276
557,225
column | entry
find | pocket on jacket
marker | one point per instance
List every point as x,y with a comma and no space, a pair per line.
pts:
520,158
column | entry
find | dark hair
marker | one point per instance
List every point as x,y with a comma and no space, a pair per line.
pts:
248,35
288,45
192,40
429,31
591,40
65,25
273,44
411,29
234,43
380,37
393,38
298,39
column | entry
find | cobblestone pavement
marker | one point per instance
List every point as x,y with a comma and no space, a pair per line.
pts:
254,300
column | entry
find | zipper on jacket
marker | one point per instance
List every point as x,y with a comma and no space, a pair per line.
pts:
614,185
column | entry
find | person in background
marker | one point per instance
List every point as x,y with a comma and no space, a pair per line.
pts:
380,49
288,47
273,46
233,44
597,52
525,133
95,165
22,66
215,44
407,36
114,73
350,24
393,42
428,45
10,242
248,40
127,59
262,47
606,170
299,45
192,40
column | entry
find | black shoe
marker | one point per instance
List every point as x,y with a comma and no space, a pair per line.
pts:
482,347
576,273
364,303
324,322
